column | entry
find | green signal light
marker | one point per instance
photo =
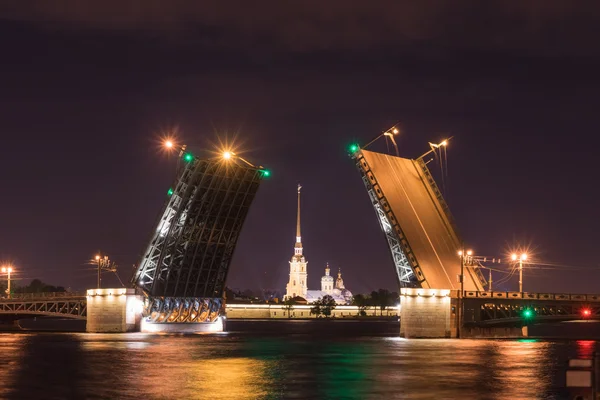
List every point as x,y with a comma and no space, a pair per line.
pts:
265,173
170,192
527,313
188,157
353,148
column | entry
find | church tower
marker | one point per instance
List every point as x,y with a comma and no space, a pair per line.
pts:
339,282
327,281
297,286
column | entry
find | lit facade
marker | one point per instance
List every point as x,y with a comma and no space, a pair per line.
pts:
298,283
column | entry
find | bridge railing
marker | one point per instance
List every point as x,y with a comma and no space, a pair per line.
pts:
533,296
43,296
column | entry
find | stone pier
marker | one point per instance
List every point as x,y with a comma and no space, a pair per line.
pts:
113,310
428,313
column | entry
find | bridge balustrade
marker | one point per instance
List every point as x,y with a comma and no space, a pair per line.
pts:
43,295
514,308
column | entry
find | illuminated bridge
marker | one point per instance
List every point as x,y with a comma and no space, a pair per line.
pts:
183,270
59,304
514,308
417,223
424,245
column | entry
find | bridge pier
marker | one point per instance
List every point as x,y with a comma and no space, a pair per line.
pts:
113,310
434,313
428,313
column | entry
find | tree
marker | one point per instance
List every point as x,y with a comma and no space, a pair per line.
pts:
37,286
382,298
288,305
360,301
316,308
327,305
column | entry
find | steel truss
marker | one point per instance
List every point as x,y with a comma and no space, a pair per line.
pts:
71,308
191,247
509,311
402,255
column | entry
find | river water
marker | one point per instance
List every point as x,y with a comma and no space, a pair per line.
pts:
281,360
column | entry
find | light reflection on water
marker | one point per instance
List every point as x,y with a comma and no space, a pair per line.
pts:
302,366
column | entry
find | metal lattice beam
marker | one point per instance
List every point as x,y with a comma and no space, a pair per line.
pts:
187,259
63,306
400,250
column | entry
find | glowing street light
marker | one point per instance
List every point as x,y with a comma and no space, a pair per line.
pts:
389,133
461,254
227,155
168,144
102,262
520,259
7,270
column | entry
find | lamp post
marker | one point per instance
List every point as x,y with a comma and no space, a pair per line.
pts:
389,133
104,264
7,270
462,254
520,258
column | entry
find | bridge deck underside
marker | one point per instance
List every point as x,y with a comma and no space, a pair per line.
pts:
426,227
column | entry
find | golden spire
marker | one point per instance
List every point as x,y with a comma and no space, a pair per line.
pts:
298,236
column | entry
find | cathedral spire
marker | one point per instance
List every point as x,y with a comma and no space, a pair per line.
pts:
298,235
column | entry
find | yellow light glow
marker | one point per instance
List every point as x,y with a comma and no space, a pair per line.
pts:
460,253
444,143
395,131
9,269
523,256
513,257
97,258
168,144
469,252
227,155
3,269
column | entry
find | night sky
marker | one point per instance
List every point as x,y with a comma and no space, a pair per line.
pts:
86,91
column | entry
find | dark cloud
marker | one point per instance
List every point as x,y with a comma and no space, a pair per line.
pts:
543,27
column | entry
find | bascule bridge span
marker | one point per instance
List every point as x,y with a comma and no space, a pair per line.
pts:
424,246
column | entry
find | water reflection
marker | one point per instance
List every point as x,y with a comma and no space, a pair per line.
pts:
522,370
585,348
11,350
306,366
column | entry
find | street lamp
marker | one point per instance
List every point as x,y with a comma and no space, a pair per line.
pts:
99,262
7,270
389,133
462,254
520,259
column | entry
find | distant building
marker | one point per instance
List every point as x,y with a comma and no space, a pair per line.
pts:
298,283
297,286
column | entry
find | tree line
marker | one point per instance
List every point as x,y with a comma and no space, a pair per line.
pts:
381,298
35,286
